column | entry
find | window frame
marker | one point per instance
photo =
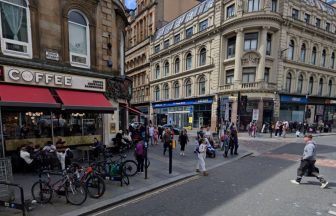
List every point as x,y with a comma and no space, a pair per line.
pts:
288,86
165,91
303,52
252,7
295,13
269,44
166,69
175,65
300,84
157,71
291,49
310,85
274,5
202,57
328,26
201,89
323,58
267,74
230,11
157,93
187,62
176,90
307,18
175,38
332,60
229,77
166,44
188,84
231,44
320,87
249,39
189,32
318,22
314,56
330,88
249,74
157,48
203,25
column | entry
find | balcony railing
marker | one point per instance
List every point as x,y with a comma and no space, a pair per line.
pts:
227,87
249,85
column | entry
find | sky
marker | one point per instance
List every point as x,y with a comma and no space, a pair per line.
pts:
130,4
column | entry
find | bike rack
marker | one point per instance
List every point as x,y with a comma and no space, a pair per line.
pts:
14,205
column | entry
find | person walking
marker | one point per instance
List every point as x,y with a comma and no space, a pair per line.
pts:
270,128
277,125
307,164
151,134
201,154
140,156
183,139
234,142
225,142
156,135
167,139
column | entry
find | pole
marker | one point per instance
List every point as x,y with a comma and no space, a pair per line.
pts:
238,111
52,128
170,158
146,147
2,136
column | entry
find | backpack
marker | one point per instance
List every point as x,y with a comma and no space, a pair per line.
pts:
167,138
139,150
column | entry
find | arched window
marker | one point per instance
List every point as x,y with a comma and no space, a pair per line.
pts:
330,88
202,57
188,87
15,31
288,82
157,72
320,89
188,61
166,69
291,50
201,86
323,59
300,84
177,65
166,91
176,90
313,57
303,53
332,63
157,93
79,39
311,85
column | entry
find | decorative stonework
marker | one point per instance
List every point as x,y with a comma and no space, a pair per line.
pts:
250,58
119,89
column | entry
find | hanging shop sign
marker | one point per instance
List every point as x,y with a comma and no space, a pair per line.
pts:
50,79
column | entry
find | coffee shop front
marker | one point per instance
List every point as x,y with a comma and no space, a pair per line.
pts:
38,106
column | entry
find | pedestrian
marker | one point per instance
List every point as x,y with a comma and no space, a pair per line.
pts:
156,135
201,154
167,139
183,139
226,142
151,134
233,142
285,128
270,128
140,156
307,164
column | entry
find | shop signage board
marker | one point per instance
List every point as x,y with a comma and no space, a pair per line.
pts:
190,120
184,103
52,55
255,115
41,78
291,99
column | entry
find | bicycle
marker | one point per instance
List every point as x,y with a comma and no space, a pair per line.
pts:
130,166
68,186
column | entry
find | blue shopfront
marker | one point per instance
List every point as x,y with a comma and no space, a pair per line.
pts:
292,108
192,113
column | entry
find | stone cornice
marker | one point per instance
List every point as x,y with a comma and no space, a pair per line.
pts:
138,68
310,67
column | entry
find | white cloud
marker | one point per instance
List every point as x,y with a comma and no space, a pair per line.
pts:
130,4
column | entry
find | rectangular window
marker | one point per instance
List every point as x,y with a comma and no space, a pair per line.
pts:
295,14
269,44
307,18
251,41
157,49
177,38
249,75
230,11
274,5
189,32
253,5
229,77
231,47
203,25
266,74
166,44
318,22
328,27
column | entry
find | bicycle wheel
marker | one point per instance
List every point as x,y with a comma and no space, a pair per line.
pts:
125,179
41,192
95,186
75,193
129,167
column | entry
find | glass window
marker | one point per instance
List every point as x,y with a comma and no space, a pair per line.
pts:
230,11
229,77
157,93
313,57
323,59
177,38
253,5
188,61
249,75
318,22
177,65
330,84
15,28
157,71
176,90
201,86
188,88
202,57
295,13
307,18
166,91
328,27
300,84
274,5
320,90
303,53
231,47
189,32
166,44
269,44
157,48
311,85
291,50
79,39
267,74
166,69
332,60
251,41
288,82
203,25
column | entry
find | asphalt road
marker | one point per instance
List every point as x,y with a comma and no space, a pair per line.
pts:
252,186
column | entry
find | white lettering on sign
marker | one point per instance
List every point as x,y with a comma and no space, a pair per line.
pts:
14,74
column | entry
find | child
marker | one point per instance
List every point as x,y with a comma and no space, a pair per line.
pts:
201,154
226,143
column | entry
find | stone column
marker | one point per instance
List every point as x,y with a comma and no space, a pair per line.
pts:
238,56
262,51
234,111
261,114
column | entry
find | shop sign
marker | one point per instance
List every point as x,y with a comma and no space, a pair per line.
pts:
184,103
52,55
291,99
190,120
255,115
50,79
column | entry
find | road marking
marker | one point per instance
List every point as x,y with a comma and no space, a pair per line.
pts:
147,195
332,212
334,204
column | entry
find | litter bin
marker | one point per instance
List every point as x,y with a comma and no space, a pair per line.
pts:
6,174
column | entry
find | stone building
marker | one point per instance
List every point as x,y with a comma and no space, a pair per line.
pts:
149,15
62,71
271,60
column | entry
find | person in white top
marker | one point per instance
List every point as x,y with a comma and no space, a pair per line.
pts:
25,155
201,154
151,134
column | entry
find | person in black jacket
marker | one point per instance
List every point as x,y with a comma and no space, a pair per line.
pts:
183,138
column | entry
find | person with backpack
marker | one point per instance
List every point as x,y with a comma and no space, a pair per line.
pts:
183,139
167,139
140,155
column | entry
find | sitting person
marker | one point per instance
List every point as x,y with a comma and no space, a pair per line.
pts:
26,156
97,147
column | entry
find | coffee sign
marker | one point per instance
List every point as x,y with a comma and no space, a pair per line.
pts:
50,79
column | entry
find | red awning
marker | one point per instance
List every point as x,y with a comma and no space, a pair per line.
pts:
133,109
81,100
26,96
